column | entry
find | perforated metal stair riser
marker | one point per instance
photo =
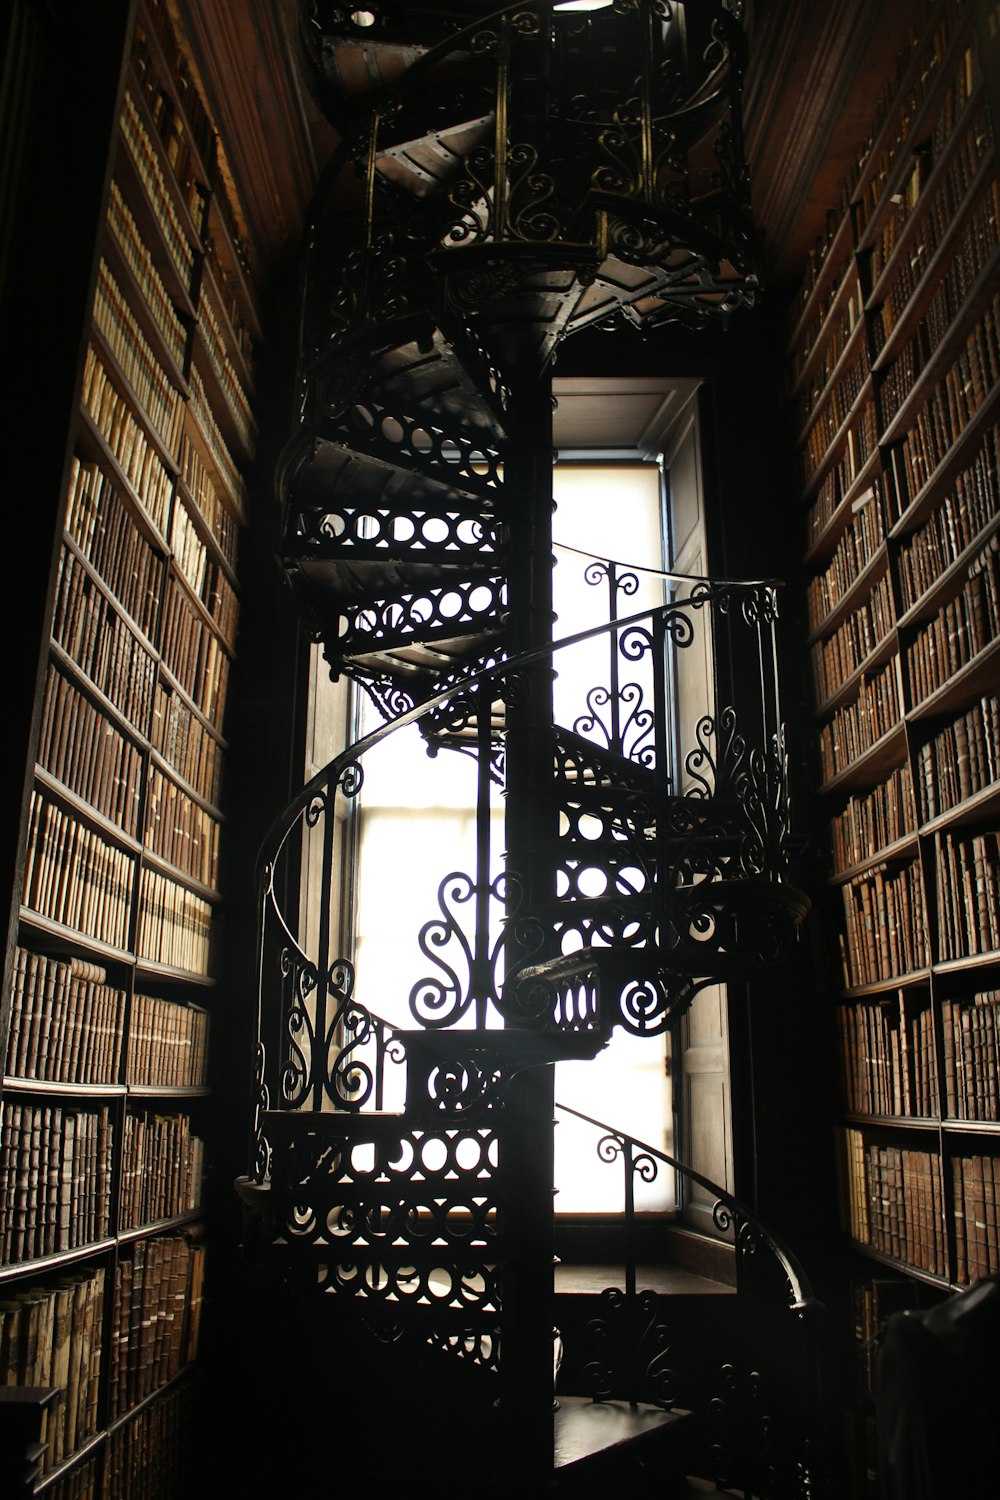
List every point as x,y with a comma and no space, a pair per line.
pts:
504,181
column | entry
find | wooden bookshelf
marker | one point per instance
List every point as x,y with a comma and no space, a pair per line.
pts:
102,1260
894,386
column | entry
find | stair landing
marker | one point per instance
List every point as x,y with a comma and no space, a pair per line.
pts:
585,1428
675,1281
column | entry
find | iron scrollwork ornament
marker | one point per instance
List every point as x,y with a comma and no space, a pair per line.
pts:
471,980
630,1347
358,1046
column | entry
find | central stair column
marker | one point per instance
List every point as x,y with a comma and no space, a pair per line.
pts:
531,827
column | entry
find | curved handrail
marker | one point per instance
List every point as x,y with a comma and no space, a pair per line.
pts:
617,562
334,772
727,1208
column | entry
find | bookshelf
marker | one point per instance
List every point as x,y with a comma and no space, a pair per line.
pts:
894,388
109,1014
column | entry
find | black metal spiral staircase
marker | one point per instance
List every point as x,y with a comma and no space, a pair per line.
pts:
521,175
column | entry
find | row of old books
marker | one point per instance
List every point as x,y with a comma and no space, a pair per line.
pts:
860,724
162,1169
846,304
193,654
174,925
66,1021
841,468
147,1458
920,59
962,759
82,881
179,830
207,580
101,643
225,372
970,258
67,1026
167,1044
129,240
51,1336
221,457
817,267
949,408
963,514
837,401
219,598
104,531
889,1059
830,493
966,76
156,1317
146,162
857,545
204,493
185,743
971,1056
959,631
224,281
968,890
975,1181
838,656
75,876
55,1175
177,113
967,153
884,920
189,550
861,437
895,1202
161,401
55,1178
873,820
139,459
150,1458
86,751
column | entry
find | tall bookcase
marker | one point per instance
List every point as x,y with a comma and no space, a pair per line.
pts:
102,1256
894,375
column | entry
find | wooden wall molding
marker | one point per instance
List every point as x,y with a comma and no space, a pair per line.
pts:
815,77
244,52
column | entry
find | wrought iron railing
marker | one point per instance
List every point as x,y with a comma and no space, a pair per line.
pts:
642,161
690,852
759,1386
734,1220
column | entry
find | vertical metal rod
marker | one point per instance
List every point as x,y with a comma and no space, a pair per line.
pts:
628,1158
371,156
645,17
661,730
500,181
615,685
379,1065
319,1059
261,1058
482,979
